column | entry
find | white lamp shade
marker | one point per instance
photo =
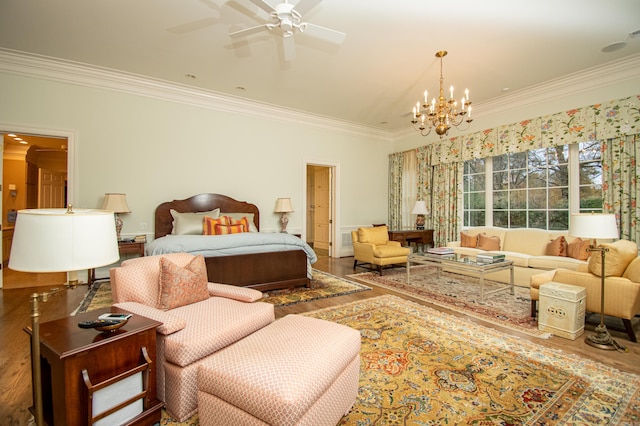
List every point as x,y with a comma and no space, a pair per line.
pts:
283,205
593,226
420,208
117,203
53,240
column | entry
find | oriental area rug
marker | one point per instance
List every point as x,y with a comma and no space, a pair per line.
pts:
461,293
420,366
322,285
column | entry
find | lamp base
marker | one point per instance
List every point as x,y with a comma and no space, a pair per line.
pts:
603,340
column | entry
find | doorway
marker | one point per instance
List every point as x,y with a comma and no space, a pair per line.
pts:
320,208
34,175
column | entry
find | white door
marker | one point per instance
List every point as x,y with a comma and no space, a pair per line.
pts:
322,213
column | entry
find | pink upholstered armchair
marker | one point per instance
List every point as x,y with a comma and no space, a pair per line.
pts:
199,318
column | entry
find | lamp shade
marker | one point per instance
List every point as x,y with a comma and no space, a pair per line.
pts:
593,225
116,203
283,205
59,240
420,208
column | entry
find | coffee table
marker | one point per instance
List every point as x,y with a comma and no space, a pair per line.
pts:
458,263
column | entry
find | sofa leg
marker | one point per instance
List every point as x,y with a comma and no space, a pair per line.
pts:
533,308
355,263
380,269
629,328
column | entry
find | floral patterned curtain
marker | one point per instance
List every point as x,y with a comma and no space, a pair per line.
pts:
425,178
620,189
611,120
396,162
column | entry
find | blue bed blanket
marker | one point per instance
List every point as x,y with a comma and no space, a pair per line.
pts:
226,245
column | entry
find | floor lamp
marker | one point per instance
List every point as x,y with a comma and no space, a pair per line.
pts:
592,226
59,240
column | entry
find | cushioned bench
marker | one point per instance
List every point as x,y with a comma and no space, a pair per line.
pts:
296,371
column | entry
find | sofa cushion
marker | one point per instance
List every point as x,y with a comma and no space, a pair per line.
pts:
468,240
557,247
519,259
486,242
214,324
384,250
182,285
619,256
555,262
375,235
578,249
531,241
633,270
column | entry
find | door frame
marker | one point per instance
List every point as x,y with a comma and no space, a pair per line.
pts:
32,130
334,226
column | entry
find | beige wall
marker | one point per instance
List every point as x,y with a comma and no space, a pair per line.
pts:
156,150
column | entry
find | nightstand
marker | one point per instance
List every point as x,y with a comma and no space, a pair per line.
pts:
85,371
124,248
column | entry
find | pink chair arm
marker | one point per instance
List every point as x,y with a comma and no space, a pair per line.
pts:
170,323
241,294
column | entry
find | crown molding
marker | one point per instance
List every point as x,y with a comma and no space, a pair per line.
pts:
604,75
69,72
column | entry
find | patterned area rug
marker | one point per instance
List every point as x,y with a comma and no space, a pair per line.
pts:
461,294
424,367
322,285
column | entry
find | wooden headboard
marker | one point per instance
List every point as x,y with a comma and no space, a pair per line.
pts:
201,203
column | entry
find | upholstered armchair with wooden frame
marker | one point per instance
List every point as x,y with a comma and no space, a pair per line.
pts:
199,318
372,246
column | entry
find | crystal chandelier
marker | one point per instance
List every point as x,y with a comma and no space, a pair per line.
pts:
442,113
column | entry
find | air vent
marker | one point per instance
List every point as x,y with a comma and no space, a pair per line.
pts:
634,34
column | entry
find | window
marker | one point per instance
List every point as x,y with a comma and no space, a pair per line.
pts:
531,189
474,192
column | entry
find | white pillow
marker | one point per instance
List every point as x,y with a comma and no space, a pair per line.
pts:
238,216
190,223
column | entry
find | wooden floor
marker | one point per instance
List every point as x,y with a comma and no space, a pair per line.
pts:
15,368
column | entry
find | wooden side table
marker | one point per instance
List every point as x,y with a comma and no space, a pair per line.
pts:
70,355
420,236
124,248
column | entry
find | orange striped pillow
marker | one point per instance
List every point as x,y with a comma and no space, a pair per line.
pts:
244,222
229,229
209,224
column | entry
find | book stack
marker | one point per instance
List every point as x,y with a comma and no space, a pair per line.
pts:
140,239
440,250
490,257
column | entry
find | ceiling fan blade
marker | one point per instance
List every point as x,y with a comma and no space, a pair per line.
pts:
263,5
289,48
304,6
249,31
327,34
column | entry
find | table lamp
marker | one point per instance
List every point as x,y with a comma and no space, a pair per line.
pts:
421,210
592,226
283,206
117,203
59,240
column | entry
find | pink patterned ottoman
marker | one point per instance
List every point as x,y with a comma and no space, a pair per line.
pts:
295,371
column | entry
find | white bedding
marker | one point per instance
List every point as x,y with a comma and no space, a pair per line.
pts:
225,245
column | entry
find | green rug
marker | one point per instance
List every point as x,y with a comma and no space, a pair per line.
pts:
322,286
420,366
461,293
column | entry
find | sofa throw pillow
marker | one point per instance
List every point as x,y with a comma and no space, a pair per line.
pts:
485,242
467,240
619,256
557,247
209,224
180,286
578,249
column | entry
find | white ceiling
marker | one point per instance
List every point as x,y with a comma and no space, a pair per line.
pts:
373,78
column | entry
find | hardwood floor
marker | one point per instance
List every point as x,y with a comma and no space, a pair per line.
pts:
15,373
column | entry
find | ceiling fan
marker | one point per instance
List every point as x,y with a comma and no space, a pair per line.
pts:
288,18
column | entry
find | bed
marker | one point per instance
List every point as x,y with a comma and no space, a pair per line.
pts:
260,260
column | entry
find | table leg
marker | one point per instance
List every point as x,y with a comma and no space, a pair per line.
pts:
408,272
481,285
511,273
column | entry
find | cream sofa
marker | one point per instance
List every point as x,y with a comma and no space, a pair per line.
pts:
526,247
